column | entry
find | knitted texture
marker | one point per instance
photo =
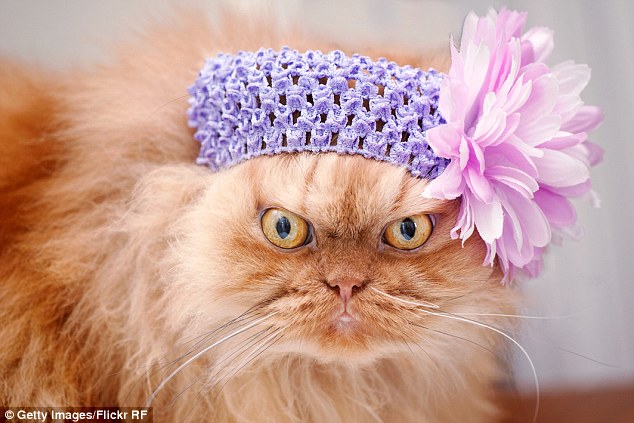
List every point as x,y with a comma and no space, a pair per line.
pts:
268,102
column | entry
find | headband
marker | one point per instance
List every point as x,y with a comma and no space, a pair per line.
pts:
502,131
269,102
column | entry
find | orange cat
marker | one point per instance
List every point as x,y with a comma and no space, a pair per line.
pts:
131,276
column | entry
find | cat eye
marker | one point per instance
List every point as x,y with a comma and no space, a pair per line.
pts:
285,229
409,233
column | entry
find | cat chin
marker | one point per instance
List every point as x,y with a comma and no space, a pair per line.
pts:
340,353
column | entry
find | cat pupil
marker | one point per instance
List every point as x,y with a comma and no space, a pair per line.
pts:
283,227
408,229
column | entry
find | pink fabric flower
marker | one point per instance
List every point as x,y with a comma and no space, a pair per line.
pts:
516,135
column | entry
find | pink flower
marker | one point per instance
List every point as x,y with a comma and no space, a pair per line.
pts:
516,135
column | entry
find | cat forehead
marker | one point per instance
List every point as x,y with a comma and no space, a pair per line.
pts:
333,188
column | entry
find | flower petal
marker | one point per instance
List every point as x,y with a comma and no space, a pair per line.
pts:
444,141
511,22
574,190
448,186
463,157
558,169
514,178
542,100
488,219
586,119
564,140
479,185
558,210
572,77
595,153
541,44
534,223
476,65
465,221
536,132
490,127
514,153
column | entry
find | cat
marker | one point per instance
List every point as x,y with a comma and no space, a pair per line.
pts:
130,276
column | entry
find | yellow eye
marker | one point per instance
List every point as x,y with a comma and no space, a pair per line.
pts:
284,229
409,233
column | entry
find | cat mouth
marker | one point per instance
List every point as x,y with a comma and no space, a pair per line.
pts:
346,318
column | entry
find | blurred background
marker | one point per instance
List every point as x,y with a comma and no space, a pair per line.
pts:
587,289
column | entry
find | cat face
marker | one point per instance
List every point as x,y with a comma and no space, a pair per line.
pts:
340,293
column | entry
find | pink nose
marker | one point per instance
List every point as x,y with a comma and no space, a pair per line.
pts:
346,286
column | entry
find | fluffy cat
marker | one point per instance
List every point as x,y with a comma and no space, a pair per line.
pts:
125,268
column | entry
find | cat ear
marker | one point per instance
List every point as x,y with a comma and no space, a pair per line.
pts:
27,109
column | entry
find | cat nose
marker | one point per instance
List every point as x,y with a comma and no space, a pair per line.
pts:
346,287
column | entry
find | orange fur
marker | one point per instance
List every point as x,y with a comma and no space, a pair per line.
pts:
116,249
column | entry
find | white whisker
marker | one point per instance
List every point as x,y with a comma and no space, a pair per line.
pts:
246,317
197,340
420,303
235,369
473,322
148,402
245,345
268,338
510,338
518,316
256,352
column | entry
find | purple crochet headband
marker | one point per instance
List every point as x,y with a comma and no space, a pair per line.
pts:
269,102
502,131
